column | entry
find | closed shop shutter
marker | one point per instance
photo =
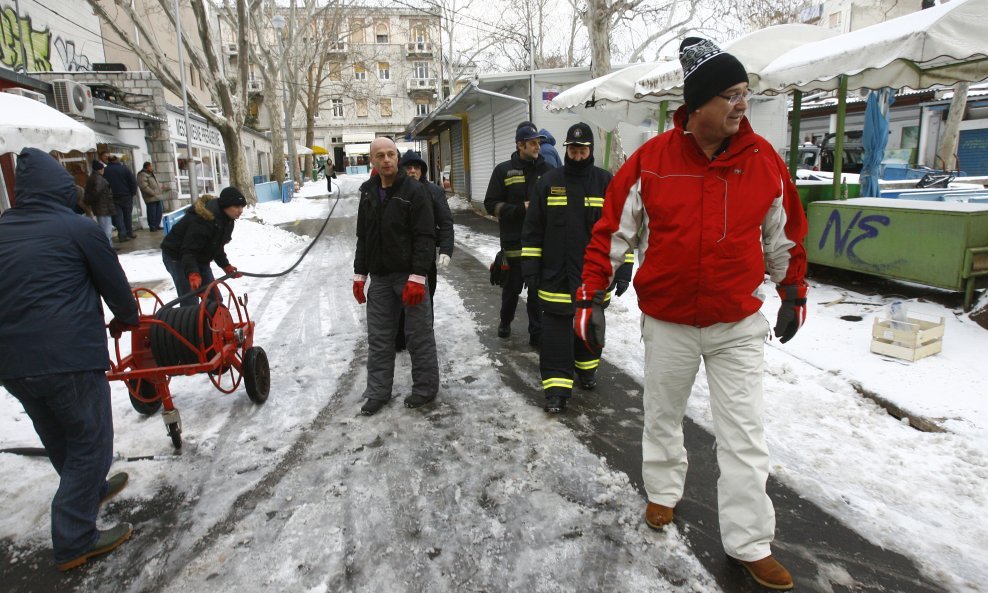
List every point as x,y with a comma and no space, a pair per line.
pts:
972,151
457,174
481,153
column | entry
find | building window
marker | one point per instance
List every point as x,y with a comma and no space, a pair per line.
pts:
337,108
422,109
357,30
385,105
419,37
384,70
421,69
834,20
381,33
336,71
359,72
361,107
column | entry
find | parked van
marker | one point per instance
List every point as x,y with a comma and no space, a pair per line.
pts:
821,157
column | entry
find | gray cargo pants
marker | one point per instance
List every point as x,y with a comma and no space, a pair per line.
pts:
383,307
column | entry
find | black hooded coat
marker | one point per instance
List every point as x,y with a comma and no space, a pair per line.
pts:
55,267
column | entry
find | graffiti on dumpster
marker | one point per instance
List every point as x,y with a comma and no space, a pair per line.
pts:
846,238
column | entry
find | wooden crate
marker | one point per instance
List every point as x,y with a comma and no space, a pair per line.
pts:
909,340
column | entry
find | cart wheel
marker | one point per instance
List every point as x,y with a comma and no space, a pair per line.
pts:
175,432
257,374
147,390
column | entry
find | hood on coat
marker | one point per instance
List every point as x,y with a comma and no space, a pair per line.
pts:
40,178
549,138
413,158
206,207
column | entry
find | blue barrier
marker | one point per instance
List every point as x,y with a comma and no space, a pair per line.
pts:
268,192
171,219
260,179
286,192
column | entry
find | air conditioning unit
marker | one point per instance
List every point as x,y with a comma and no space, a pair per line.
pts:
231,49
28,94
254,86
74,99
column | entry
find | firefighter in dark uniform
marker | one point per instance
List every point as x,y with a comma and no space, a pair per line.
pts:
566,202
507,199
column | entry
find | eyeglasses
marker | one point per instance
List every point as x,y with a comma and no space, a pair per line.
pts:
737,97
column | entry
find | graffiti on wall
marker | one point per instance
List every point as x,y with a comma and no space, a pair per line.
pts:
846,238
24,48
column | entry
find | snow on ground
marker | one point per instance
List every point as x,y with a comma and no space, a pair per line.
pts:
921,494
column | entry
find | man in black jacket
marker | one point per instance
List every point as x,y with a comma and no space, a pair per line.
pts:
415,167
123,185
199,238
55,267
396,247
507,198
566,202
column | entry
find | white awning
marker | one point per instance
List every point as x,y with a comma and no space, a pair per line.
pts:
112,141
26,122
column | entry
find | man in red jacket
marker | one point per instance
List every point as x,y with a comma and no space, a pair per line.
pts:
716,211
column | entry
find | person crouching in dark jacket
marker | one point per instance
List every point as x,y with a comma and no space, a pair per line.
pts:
415,167
200,237
56,266
396,247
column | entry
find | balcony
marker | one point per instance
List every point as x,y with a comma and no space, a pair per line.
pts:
336,47
418,49
230,49
421,86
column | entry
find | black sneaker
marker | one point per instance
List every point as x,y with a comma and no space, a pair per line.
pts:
107,541
555,404
415,400
504,330
588,382
372,406
115,484
535,340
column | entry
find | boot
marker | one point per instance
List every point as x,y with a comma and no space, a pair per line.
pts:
503,330
415,400
372,406
114,484
767,572
555,404
658,516
107,541
588,380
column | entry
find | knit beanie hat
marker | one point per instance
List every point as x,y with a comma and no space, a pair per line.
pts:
707,71
97,164
231,196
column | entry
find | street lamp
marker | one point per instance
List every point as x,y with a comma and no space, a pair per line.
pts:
279,23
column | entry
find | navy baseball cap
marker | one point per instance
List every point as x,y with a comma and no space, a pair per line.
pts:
527,131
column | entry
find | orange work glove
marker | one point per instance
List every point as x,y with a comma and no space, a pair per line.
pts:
232,271
195,281
358,288
414,290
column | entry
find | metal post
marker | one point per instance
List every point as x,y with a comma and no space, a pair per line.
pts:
190,162
663,114
839,139
794,120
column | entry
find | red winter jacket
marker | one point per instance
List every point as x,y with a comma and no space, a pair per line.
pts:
707,231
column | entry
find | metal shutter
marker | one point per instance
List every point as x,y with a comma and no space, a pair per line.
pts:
456,173
972,151
481,152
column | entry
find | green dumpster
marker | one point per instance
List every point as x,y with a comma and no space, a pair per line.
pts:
940,244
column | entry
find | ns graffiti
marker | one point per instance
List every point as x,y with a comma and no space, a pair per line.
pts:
860,228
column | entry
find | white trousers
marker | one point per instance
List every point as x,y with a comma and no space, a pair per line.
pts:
733,356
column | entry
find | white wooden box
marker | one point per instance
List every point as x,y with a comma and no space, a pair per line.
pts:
909,340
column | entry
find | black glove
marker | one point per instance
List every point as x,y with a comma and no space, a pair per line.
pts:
512,211
588,320
499,269
792,311
620,287
117,327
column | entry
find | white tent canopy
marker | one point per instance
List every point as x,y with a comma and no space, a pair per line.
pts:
755,50
940,45
608,100
25,122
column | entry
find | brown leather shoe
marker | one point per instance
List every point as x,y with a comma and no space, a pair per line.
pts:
767,572
657,516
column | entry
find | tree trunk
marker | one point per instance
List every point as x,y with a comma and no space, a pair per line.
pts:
239,171
277,136
947,147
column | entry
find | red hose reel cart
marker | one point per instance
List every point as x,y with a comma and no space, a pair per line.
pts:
216,338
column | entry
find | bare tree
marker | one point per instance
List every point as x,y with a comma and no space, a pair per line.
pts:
947,146
758,14
226,92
